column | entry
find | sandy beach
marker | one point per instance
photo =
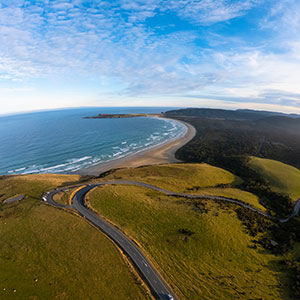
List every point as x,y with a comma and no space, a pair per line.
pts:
160,154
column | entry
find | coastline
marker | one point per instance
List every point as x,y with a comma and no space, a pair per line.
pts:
160,154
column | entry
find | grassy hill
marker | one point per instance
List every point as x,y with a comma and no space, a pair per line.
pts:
282,177
33,185
189,178
47,253
234,193
201,246
178,177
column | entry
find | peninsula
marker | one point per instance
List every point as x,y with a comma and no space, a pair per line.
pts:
118,116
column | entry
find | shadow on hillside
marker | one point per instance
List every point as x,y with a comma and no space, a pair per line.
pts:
284,279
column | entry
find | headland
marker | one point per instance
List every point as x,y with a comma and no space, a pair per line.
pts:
121,116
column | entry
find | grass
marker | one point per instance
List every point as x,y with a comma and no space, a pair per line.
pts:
205,253
189,178
178,177
212,258
63,197
234,194
282,177
47,253
33,185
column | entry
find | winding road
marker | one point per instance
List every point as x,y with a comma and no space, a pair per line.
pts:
158,287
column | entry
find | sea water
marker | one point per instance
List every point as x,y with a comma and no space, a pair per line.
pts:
63,141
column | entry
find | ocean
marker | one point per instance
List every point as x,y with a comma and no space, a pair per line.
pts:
62,141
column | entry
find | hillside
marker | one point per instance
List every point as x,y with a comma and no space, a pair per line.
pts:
200,246
190,178
48,253
282,178
216,248
203,248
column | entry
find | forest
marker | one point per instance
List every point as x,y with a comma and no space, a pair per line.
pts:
222,134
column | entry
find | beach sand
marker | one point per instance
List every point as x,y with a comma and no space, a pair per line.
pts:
160,154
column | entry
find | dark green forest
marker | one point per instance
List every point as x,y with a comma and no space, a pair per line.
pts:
222,134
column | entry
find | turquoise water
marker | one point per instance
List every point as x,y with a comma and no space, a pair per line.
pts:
63,141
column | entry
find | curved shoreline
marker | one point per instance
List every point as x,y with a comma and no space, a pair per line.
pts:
160,154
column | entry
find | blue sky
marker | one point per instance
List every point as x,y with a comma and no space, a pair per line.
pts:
201,53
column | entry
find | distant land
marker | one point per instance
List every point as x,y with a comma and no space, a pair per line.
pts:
223,134
239,114
116,116
209,113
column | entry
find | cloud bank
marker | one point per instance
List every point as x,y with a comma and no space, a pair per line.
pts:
237,51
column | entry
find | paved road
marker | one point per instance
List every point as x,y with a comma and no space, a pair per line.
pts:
157,285
294,213
14,199
262,141
190,196
217,198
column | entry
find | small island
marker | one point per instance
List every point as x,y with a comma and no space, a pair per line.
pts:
116,116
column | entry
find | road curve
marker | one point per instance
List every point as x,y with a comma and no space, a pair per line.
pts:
158,287
156,284
294,213
217,198
190,196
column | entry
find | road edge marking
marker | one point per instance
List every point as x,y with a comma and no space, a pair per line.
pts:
74,193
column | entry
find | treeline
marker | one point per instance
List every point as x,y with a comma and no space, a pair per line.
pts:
294,266
283,235
277,204
227,143
273,137
239,114
254,222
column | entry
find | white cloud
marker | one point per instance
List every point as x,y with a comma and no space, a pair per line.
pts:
255,76
211,11
284,17
113,41
44,39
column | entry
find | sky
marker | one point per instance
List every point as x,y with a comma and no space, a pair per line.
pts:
189,53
